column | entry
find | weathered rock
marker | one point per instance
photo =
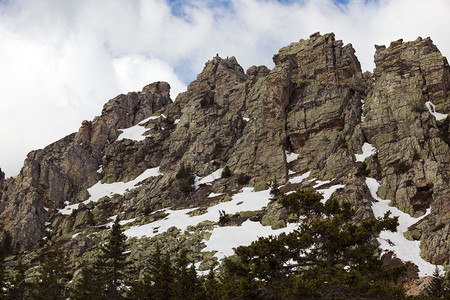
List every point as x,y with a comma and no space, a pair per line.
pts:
315,102
328,89
413,154
59,172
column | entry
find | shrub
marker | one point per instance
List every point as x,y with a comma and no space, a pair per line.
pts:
226,172
243,179
186,178
224,218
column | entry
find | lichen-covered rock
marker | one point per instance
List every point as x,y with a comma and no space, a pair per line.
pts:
315,103
413,154
59,172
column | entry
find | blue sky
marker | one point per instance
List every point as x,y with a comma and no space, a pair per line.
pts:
62,60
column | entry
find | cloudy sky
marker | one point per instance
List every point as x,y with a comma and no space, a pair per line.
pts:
60,61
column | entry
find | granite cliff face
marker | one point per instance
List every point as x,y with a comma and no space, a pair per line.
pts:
315,103
62,171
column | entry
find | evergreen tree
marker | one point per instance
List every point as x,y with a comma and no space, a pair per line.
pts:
18,287
226,172
211,286
90,285
162,275
105,278
158,281
53,275
112,262
328,256
187,284
437,289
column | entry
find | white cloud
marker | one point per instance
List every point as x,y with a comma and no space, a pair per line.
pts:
61,61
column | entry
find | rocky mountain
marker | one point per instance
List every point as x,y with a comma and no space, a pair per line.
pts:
314,120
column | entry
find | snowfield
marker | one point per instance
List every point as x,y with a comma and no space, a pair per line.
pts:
222,239
404,249
100,190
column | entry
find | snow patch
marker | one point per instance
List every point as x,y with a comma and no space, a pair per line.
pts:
395,241
291,156
224,239
100,190
300,178
208,178
181,219
246,119
362,111
136,132
367,150
432,109
212,195
176,121
329,191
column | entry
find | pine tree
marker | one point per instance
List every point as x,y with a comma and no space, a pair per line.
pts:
310,261
437,289
211,286
53,274
226,172
90,285
112,262
18,287
187,284
162,275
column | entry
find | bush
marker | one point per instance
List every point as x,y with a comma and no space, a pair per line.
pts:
186,178
243,179
224,218
226,172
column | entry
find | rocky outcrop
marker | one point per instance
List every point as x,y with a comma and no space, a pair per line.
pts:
56,174
323,110
315,102
413,154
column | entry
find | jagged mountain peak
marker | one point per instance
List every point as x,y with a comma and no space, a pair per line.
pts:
302,124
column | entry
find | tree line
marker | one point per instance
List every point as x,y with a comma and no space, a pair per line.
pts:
328,256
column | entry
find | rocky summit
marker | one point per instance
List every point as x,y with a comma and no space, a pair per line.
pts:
313,121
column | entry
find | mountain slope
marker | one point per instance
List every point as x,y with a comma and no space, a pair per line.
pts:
304,123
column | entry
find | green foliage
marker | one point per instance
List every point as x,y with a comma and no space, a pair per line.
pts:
53,277
186,178
18,287
327,257
243,179
186,284
112,261
302,201
224,218
438,288
226,173
90,218
106,277
89,285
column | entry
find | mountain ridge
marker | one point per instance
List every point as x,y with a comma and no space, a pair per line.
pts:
315,102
